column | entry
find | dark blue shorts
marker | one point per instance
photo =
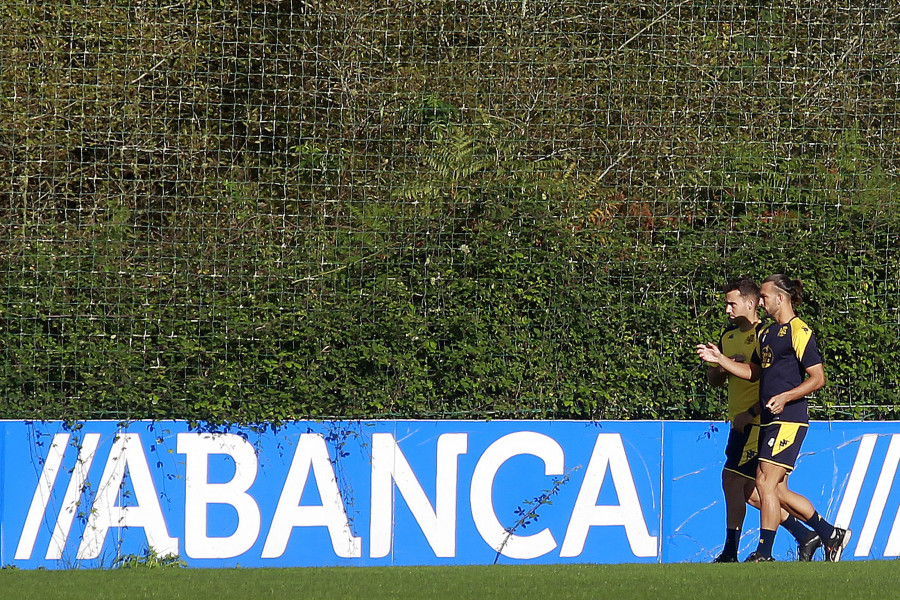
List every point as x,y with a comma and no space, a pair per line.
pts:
779,443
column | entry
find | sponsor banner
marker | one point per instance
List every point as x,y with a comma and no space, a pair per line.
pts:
332,493
378,493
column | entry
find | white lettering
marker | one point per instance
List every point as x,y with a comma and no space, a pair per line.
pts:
311,455
499,538
390,466
126,497
127,452
608,452
199,494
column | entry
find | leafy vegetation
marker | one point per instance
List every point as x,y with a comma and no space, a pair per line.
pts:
259,211
149,559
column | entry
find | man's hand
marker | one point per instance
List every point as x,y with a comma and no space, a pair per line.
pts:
716,376
776,403
709,352
742,420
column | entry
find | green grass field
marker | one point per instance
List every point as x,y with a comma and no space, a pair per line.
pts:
845,581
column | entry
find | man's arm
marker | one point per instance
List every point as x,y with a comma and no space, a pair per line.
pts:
744,370
815,381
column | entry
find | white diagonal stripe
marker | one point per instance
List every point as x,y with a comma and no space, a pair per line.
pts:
41,497
72,499
879,499
857,475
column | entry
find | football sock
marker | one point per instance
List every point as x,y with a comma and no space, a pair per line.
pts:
732,538
821,526
766,539
800,532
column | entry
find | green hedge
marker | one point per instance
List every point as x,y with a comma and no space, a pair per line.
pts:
262,211
518,308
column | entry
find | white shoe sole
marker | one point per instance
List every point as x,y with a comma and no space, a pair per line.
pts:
840,549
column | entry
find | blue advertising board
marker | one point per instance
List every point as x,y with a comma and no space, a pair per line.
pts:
378,493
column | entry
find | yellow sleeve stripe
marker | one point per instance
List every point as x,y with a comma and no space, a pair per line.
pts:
800,334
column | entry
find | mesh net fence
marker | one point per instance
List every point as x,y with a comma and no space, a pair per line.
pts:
264,210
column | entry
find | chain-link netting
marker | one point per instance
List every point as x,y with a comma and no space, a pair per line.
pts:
263,210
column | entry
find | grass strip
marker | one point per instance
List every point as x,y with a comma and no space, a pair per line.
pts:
855,580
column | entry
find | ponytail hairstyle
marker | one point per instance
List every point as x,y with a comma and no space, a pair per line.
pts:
791,287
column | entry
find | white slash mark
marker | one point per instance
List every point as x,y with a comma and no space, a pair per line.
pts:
857,475
41,496
879,499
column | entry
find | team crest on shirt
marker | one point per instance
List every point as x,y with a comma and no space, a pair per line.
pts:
766,357
783,331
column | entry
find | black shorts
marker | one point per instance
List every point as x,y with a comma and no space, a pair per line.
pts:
741,451
779,443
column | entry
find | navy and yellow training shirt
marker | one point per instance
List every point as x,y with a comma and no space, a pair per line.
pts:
785,352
